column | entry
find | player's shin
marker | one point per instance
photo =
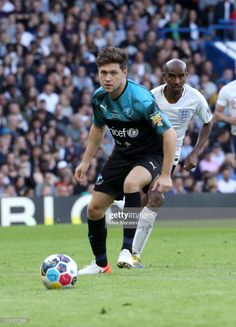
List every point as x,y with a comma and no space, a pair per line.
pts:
144,229
97,234
132,203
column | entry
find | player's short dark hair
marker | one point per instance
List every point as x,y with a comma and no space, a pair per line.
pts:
112,55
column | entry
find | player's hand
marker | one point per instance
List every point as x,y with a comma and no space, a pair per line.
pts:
162,184
190,161
80,171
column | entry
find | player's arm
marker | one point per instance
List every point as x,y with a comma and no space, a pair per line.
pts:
163,182
219,115
94,141
162,126
203,135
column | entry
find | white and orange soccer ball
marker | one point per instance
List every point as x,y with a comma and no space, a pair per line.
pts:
59,271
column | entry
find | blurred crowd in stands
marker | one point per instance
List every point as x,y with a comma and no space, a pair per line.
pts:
48,74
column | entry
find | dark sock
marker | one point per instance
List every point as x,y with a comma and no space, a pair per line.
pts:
97,234
132,200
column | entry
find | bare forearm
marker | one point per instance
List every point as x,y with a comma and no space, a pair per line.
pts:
94,141
169,149
203,136
220,115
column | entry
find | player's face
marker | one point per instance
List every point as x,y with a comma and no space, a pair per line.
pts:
175,79
113,79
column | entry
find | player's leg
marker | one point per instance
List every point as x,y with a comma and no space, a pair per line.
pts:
97,232
134,182
145,225
108,185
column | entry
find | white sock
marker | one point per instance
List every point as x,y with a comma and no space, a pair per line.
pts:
144,229
119,203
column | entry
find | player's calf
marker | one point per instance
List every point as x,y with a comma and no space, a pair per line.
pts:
145,224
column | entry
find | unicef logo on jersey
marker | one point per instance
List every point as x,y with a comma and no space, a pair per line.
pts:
184,114
132,132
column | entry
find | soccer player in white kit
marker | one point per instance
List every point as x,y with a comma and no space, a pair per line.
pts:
179,102
227,99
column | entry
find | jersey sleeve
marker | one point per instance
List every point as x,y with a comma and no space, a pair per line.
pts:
203,111
156,117
98,119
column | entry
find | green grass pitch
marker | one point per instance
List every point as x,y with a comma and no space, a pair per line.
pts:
189,279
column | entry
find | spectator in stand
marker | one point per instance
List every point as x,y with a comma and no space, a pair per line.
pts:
231,160
41,76
210,184
193,77
131,42
208,88
50,97
61,121
206,164
3,184
178,185
197,187
10,191
12,91
62,190
226,78
217,154
174,25
139,66
190,185
56,15
82,81
67,110
223,10
139,19
226,184
49,181
193,36
75,127
47,190
223,137
222,14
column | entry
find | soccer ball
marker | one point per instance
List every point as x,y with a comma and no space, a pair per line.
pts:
59,271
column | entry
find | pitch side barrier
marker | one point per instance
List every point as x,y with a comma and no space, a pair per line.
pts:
51,210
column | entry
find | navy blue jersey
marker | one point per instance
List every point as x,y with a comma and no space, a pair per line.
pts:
134,119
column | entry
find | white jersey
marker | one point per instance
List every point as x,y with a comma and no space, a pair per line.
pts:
191,103
227,98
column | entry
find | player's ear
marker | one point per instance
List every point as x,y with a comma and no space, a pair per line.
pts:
163,74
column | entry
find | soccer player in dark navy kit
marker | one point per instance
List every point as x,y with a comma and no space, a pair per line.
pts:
145,145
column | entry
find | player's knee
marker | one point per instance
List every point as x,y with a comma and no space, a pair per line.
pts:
156,199
130,186
94,211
